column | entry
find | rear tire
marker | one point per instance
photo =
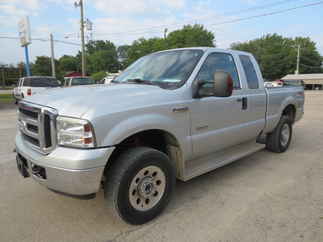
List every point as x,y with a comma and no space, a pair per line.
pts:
139,184
279,140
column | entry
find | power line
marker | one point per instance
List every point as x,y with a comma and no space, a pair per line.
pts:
190,21
228,21
241,11
44,40
269,14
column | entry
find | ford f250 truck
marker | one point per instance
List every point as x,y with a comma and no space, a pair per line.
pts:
173,114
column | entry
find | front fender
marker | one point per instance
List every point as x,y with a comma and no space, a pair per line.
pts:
136,124
178,126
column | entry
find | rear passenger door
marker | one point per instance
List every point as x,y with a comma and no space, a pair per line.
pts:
254,92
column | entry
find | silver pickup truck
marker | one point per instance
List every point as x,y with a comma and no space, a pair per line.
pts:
173,114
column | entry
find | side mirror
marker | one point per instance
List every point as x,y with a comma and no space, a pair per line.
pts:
223,84
220,86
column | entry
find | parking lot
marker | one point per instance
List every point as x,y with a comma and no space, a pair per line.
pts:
263,197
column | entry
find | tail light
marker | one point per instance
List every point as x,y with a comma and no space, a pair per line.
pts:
300,94
29,92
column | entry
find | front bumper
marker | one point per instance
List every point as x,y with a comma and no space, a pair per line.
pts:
70,171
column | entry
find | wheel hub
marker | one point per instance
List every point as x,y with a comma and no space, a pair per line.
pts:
147,188
285,135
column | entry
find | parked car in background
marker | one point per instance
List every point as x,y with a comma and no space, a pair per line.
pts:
172,114
277,83
268,84
28,86
109,78
78,81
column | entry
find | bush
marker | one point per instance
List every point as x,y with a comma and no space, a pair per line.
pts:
98,75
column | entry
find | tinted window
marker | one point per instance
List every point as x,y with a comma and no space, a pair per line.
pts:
41,82
82,81
219,62
250,72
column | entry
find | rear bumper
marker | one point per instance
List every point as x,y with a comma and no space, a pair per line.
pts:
81,174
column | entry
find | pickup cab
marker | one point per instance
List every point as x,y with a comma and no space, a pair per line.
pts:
32,85
174,114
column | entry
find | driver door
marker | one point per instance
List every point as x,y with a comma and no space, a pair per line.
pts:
218,122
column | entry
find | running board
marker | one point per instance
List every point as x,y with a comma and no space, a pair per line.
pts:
208,163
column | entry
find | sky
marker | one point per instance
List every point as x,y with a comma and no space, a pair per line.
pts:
122,22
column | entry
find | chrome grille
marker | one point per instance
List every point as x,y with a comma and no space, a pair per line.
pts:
38,126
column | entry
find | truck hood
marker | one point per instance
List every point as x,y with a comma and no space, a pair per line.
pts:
79,100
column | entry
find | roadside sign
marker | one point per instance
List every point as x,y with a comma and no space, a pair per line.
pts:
24,31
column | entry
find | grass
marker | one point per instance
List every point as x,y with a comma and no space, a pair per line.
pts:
6,98
7,87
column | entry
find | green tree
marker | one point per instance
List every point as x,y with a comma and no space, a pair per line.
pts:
101,56
98,75
42,66
142,47
191,36
277,55
98,45
103,60
188,36
68,63
310,59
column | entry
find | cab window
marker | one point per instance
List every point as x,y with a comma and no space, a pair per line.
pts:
249,69
219,62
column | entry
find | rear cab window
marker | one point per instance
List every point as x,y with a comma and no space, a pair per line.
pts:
41,82
250,72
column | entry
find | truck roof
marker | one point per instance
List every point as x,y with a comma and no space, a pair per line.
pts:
209,49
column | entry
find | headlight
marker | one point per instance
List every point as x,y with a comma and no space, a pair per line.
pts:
73,132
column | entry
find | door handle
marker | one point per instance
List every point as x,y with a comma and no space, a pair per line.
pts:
180,109
244,101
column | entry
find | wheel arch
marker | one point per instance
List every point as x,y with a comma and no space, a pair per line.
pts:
158,139
290,111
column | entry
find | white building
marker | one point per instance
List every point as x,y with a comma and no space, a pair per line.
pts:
311,81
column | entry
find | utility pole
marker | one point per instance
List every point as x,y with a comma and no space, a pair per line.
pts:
3,79
298,58
80,4
165,33
52,54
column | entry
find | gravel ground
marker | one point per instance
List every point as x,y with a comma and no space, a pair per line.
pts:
263,197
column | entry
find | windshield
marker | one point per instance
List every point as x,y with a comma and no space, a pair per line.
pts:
172,68
82,81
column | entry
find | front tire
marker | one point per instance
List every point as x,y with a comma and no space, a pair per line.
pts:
139,184
279,140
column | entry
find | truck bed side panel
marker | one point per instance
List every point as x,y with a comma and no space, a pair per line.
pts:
278,100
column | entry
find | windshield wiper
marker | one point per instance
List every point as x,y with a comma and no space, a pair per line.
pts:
140,81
